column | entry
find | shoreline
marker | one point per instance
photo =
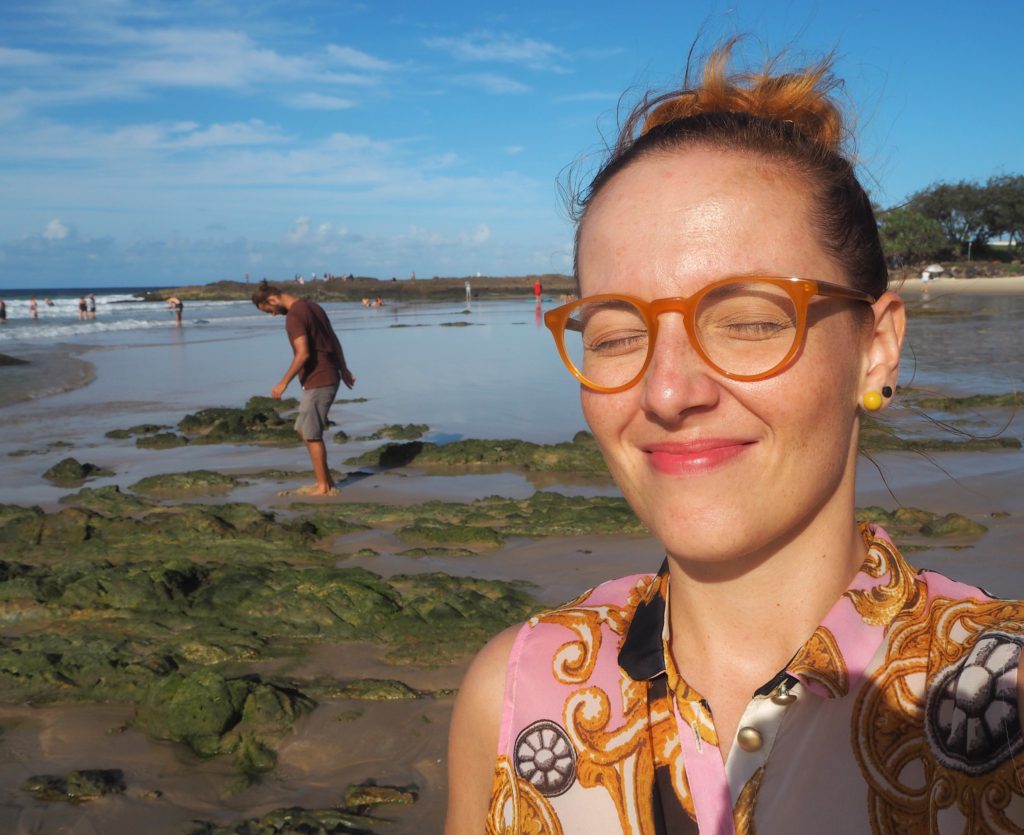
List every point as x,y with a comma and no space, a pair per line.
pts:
1009,285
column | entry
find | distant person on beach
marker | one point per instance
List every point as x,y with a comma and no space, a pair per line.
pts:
786,670
176,304
83,308
3,313
319,363
538,290
33,308
92,306
48,301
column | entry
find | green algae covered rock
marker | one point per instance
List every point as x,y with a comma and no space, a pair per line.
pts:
77,787
1010,400
187,483
911,521
162,440
132,431
376,690
581,455
295,821
213,715
70,472
432,532
398,432
876,435
107,500
260,421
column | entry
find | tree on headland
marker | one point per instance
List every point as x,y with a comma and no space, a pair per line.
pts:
908,236
1005,207
960,209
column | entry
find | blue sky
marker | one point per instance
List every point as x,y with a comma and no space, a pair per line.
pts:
183,142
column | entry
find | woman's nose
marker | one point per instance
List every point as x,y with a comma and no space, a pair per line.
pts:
677,379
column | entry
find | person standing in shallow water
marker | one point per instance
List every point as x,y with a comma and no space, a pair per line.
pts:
786,670
319,363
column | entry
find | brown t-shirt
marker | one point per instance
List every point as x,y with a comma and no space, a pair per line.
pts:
308,319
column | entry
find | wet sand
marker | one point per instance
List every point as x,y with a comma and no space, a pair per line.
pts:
346,741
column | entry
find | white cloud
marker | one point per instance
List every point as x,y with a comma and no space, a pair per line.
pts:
358,60
13,58
501,48
55,231
491,83
512,150
318,101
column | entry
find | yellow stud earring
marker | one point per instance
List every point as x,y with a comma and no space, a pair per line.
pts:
873,399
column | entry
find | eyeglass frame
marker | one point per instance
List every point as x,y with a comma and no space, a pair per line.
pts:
799,290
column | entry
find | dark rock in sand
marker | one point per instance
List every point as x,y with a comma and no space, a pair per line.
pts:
878,436
1010,400
340,437
70,472
77,787
260,421
193,482
107,500
7,359
432,532
363,796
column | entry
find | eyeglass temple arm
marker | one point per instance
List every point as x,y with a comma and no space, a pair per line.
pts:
838,291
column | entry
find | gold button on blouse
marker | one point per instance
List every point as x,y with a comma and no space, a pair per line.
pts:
750,739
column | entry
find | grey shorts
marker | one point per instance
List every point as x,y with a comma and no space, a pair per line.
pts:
313,407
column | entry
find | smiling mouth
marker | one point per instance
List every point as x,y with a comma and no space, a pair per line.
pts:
695,457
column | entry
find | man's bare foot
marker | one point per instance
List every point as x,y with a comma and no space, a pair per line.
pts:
311,490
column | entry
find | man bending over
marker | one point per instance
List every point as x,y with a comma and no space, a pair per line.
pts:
320,365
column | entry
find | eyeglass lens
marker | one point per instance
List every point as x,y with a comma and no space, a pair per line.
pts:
744,328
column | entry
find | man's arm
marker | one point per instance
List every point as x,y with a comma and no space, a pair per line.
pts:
339,358
300,347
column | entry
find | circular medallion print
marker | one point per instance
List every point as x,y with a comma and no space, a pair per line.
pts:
546,758
972,720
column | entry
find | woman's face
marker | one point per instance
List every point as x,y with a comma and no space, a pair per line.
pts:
717,468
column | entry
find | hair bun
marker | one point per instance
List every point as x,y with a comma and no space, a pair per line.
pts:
802,98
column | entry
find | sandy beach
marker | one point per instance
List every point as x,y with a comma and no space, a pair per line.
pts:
355,616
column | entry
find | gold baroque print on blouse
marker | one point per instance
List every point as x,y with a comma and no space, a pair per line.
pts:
880,604
689,703
743,813
517,808
820,660
575,660
910,780
618,759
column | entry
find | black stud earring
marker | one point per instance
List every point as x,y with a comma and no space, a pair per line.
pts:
886,392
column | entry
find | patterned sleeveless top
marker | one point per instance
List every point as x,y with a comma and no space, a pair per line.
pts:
899,715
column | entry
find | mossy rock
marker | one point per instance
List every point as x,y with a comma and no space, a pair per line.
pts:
376,690
70,472
456,324
351,400
953,524
878,436
162,440
431,532
295,821
7,360
193,482
911,520
132,431
433,551
260,421
398,432
1009,400
213,715
581,455
77,786
341,437
107,500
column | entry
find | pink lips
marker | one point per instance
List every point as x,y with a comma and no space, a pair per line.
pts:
694,457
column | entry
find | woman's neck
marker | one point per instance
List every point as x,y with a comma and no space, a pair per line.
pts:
744,621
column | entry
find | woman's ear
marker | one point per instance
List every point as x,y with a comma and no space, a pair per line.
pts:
882,357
